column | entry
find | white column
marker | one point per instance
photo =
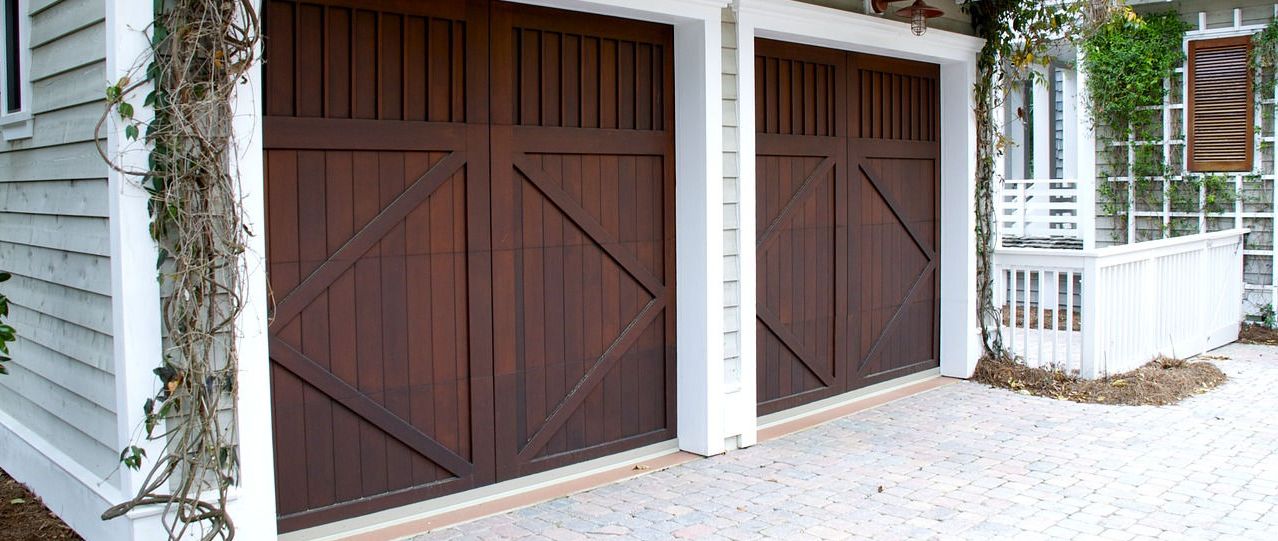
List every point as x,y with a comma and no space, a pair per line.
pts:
699,237
749,280
1084,147
960,344
253,508
1042,113
135,293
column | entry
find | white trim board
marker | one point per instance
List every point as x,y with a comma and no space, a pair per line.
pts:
797,22
68,489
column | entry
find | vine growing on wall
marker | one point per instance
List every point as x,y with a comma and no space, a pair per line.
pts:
1018,35
7,333
1130,62
200,52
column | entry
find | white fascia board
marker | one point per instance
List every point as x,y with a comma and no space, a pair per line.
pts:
828,27
660,11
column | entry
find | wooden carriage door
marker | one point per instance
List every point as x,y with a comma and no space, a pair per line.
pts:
894,210
801,170
583,236
376,164
847,190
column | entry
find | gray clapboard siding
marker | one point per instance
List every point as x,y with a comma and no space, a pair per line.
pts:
60,197
731,207
55,239
96,386
69,233
61,126
80,48
82,85
80,344
64,18
50,411
80,271
71,161
88,310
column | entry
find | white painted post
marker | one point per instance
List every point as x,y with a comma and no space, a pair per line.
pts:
747,185
253,508
135,292
960,344
1090,299
699,246
1085,157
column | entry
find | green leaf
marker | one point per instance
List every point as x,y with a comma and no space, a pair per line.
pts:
126,111
113,93
131,131
4,277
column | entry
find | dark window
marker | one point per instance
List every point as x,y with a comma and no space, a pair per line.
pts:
12,59
1220,104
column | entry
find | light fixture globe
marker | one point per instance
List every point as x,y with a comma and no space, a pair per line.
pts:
918,13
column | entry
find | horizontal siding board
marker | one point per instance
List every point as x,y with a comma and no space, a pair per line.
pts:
50,417
59,127
64,18
80,234
62,162
81,48
77,343
79,271
75,377
86,84
59,197
88,310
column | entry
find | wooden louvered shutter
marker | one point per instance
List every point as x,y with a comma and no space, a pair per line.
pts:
1220,104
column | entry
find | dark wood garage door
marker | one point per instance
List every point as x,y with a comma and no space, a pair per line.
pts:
848,218
470,245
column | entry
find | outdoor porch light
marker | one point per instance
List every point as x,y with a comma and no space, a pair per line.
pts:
918,13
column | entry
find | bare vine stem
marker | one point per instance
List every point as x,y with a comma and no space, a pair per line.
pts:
200,52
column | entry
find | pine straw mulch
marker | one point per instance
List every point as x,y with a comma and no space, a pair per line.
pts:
1161,382
24,518
1257,334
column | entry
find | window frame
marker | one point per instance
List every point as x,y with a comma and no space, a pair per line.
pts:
16,124
1217,166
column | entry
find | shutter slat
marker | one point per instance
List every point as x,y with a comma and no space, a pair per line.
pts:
1220,105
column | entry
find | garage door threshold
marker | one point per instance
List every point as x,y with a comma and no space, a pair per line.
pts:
441,512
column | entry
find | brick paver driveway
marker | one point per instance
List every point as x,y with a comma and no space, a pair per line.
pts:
964,461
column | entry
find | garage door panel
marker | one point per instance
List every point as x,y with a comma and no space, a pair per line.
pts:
847,295
571,72
417,246
375,60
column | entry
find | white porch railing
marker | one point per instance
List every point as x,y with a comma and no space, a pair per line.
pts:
1039,208
1109,310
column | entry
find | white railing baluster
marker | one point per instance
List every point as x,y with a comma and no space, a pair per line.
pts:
1176,296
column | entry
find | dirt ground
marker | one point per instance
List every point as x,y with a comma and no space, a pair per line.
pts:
1258,334
24,518
1161,382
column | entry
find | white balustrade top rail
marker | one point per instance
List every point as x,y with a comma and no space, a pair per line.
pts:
1040,208
1110,310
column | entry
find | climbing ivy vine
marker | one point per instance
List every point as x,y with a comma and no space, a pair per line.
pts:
7,333
1019,35
200,53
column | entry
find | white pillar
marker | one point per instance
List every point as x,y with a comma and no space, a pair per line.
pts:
253,508
960,343
1084,148
135,293
746,403
699,238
